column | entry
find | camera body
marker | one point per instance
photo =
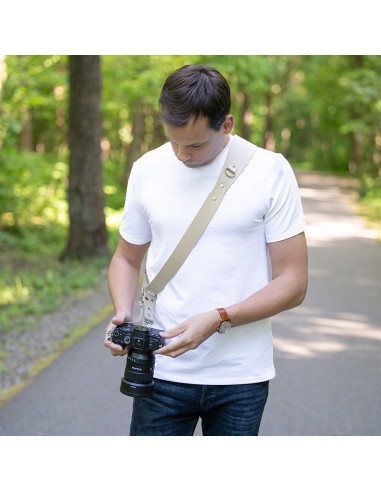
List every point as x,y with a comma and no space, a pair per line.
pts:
142,341
138,337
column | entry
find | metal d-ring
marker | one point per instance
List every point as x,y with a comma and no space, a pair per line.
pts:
231,171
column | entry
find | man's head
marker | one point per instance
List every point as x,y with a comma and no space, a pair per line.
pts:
194,91
194,106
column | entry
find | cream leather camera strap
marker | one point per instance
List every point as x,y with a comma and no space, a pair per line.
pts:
239,155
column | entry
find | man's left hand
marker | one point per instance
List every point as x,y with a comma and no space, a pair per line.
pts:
191,333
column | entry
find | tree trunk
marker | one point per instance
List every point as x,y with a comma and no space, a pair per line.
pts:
134,148
26,136
246,117
269,138
87,231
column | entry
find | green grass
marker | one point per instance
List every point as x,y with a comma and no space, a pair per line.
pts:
369,204
33,281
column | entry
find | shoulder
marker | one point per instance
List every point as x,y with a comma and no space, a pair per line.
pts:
268,173
270,158
159,154
266,164
152,164
261,156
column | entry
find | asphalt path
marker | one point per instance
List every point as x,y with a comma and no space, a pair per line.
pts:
327,351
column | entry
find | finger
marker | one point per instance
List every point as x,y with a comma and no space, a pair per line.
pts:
107,342
115,349
119,353
108,335
173,349
174,332
118,319
112,346
174,353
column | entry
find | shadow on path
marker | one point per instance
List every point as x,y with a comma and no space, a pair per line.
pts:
328,351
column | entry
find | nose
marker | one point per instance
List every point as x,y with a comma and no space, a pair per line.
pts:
182,153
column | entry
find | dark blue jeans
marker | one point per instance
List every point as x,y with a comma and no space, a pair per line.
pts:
225,410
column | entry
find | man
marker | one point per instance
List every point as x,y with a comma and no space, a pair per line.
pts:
216,310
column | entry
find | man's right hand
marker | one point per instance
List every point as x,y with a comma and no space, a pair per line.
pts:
115,349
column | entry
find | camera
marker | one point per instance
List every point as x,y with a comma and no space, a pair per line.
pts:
138,375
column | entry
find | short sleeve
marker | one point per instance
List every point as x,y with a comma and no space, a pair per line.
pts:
135,227
284,216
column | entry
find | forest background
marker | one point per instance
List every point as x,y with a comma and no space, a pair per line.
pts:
322,112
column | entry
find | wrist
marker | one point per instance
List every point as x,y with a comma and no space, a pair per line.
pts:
216,319
225,323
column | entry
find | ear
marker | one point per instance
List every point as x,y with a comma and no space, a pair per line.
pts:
228,124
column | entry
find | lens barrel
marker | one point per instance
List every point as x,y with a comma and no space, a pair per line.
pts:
138,375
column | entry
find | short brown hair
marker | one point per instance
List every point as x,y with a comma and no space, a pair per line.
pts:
193,91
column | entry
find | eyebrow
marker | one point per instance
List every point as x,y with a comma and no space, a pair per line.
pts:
189,145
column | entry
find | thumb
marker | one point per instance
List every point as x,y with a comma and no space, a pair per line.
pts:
173,332
119,318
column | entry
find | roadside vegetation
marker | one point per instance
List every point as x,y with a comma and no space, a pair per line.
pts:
34,281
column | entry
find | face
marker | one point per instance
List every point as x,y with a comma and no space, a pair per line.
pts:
196,144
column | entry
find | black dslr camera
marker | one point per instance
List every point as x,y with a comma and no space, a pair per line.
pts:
138,376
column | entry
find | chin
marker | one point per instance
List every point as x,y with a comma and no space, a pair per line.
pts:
195,164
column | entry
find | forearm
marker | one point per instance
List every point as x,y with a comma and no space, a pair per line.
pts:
123,280
123,276
287,289
282,293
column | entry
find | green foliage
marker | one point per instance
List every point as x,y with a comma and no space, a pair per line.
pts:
33,101
343,94
314,108
33,229
32,189
371,198
132,84
115,195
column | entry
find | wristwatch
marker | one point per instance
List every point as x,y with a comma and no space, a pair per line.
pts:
225,324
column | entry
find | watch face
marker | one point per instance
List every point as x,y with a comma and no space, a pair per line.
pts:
225,326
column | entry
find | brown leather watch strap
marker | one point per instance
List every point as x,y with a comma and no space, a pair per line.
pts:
223,315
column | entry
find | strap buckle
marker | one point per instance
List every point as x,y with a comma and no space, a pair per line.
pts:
230,171
148,301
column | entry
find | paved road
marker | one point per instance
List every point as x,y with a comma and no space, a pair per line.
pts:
327,351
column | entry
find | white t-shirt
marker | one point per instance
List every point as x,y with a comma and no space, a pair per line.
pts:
228,264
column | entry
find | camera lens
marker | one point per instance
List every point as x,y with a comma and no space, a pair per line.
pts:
138,376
